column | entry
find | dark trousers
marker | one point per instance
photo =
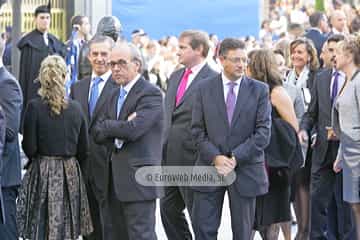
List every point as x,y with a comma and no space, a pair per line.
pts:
9,230
129,220
340,222
322,188
172,207
95,214
207,210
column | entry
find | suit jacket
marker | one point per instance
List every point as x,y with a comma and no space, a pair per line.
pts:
318,39
94,169
179,146
141,136
11,101
318,116
246,138
2,143
346,119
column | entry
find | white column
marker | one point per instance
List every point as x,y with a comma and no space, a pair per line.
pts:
95,10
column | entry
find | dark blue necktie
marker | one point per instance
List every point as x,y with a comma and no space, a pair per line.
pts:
94,94
335,87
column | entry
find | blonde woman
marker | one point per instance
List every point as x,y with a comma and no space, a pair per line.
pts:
346,124
52,200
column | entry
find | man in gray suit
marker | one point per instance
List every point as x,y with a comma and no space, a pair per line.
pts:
132,130
327,84
179,148
11,101
231,124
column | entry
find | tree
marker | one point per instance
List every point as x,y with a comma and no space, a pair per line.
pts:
319,5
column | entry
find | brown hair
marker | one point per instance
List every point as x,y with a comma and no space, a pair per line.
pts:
352,46
262,66
197,39
52,79
310,49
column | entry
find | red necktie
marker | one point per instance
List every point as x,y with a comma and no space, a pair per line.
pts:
182,86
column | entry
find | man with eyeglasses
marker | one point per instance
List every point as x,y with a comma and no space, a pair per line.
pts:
92,93
179,148
132,128
231,124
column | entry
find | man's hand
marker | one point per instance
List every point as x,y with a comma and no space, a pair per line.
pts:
331,134
313,140
303,137
131,116
224,165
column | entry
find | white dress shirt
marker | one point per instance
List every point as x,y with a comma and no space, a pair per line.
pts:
341,81
194,72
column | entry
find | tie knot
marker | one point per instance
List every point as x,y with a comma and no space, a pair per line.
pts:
231,84
97,80
336,73
188,72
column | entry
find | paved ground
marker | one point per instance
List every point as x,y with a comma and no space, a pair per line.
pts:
225,227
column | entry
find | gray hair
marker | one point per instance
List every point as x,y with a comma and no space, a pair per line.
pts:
102,39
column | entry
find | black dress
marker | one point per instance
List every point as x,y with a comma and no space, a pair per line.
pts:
274,206
52,201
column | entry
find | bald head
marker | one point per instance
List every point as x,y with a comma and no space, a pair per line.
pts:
125,62
338,20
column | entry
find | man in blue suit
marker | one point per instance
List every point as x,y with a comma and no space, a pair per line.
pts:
319,27
11,101
231,124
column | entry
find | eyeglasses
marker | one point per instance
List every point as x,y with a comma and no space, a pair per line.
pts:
236,59
121,63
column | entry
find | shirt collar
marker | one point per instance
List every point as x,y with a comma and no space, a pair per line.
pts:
342,74
104,77
196,69
130,84
226,80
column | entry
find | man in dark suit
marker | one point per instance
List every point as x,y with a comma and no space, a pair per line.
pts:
231,124
132,129
179,148
11,101
92,93
327,84
319,26
34,47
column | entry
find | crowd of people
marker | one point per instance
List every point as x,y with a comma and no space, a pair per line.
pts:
282,113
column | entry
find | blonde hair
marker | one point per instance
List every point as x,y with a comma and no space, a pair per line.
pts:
52,79
351,45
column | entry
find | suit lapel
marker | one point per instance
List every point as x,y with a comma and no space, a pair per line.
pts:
200,75
102,98
325,89
130,99
242,98
218,94
172,94
85,97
